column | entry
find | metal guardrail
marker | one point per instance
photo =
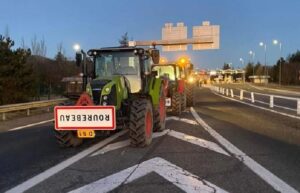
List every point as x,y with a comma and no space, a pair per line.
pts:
27,106
254,95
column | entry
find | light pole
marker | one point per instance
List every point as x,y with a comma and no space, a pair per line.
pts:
252,55
81,56
276,42
262,44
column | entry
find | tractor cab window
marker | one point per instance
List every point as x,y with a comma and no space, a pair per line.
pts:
147,65
165,71
116,63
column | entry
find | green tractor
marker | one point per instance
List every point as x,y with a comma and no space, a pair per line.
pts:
122,93
176,94
190,80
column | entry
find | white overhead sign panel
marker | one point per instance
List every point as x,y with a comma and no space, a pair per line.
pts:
178,32
207,33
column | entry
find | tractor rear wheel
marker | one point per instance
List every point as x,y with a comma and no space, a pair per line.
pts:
183,101
190,95
141,123
176,104
160,113
67,138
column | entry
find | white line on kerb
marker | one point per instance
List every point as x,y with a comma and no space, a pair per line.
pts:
271,110
59,167
265,174
31,125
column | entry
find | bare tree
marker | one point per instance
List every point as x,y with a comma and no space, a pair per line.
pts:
38,48
23,46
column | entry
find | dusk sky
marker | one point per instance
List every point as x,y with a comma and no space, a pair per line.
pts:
96,23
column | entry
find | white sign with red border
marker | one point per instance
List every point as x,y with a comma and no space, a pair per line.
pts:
85,117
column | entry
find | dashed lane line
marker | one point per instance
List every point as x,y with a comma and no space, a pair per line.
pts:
31,125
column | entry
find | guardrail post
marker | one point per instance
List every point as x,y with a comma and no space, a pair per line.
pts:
3,117
298,107
223,91
226,91
28,112
231,92
241,95
271,101
252,97
48,109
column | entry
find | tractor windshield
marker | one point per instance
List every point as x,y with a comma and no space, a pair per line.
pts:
116,63
167,71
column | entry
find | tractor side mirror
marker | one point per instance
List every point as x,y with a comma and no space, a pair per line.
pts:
155,56
78,58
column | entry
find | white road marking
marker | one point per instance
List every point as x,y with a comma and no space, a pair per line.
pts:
198,141
259,107
124,143
181,178
265,174
182,136
59,167
189,121
31,125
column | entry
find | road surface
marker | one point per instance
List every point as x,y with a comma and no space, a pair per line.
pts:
213,147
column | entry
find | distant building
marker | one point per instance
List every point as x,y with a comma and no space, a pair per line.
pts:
227,76
259,79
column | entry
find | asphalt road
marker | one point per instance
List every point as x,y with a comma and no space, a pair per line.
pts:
213,147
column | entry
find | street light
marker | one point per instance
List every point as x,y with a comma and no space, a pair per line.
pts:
252,55
76,47
242,61
276,42
262,44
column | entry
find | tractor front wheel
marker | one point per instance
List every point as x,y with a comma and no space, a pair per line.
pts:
141,123
67,138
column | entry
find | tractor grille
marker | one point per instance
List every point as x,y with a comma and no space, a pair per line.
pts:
97,86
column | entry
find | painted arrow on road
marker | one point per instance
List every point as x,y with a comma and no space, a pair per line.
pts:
181,178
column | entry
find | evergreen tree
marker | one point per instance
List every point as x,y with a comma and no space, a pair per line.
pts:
124,40
15,76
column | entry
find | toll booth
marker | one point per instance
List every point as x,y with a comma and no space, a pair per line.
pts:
259,79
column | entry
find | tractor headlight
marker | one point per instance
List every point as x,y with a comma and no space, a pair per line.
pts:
107,90
191,79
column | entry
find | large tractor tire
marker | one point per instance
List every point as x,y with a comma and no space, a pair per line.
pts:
176,104
67,138
183,101
190,92
160,113
141,123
